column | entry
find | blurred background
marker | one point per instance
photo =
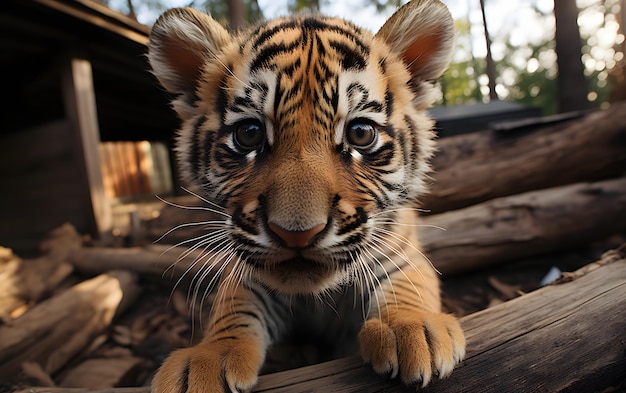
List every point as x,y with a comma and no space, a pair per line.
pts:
506,49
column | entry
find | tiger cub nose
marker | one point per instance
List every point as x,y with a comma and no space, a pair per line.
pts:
296,239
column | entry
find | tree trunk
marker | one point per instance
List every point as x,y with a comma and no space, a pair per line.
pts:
491,65
572,84
236,14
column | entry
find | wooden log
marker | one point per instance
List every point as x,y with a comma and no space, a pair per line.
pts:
562,338
61,327
159,261
495,231
26,281
476,167
549,340
524,225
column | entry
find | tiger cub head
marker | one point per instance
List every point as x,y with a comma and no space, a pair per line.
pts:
303,129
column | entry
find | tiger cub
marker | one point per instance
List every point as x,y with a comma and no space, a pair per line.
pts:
310,135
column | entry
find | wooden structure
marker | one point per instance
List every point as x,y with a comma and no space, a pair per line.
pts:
75,74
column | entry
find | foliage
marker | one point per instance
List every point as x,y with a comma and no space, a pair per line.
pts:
382,5
219,10
303,5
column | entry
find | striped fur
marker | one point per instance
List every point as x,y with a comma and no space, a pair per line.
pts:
308,134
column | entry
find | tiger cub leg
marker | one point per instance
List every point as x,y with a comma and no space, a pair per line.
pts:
229,357
407,333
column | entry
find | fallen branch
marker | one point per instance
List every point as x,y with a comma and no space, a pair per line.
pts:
476,167
61,327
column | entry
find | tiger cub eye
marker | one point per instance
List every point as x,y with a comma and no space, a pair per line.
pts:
361,134
249,136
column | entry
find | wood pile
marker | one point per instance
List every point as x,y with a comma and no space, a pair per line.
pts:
90,316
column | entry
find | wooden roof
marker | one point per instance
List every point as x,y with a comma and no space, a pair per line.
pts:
37,36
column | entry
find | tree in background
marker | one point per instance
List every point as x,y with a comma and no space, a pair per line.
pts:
303,5
525,70
573,89
234,14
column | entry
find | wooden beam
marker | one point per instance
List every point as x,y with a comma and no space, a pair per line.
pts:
80,107
102,16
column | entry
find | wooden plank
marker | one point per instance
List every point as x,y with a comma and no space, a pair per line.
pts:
80,106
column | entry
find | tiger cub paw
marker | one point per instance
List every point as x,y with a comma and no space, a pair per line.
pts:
232,366
416,346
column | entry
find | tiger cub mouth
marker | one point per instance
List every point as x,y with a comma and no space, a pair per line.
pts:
299,274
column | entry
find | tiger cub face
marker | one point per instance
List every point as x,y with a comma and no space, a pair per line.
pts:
309,132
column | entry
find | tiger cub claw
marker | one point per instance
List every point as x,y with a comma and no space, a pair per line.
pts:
414,346
209,368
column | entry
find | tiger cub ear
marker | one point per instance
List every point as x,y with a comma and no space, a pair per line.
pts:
181,42
422,33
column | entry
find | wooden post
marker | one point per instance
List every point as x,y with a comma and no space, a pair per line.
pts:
80,108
